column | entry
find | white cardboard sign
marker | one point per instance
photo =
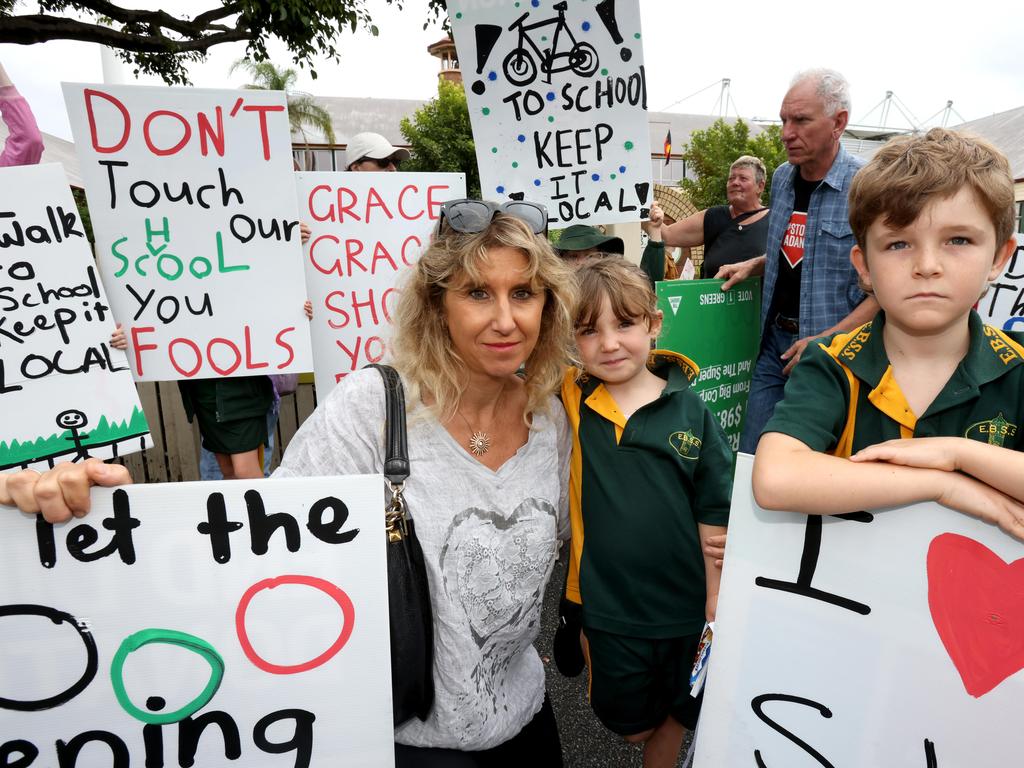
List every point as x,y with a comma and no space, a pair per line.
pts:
558,102
1003,305
192,199
889,640
368,229
235,623
65,394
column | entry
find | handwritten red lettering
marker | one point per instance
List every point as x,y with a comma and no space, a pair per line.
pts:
126,129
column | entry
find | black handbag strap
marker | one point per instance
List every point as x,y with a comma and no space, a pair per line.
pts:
396,442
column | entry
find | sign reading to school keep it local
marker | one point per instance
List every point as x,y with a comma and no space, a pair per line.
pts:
192,199
368,230
65,394
1003,303
890,638
208,624
557,95
718,330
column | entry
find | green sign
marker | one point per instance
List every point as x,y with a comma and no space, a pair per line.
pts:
719,331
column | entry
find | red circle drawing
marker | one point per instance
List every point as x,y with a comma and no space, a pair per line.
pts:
334,592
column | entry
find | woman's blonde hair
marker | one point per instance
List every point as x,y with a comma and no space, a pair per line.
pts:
422,346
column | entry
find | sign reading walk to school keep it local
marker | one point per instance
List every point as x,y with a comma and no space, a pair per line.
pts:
719,331
65,394
220,624
888,639
1003,304
557,96
192,199
368,230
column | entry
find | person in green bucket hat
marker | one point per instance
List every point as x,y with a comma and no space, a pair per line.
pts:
579,242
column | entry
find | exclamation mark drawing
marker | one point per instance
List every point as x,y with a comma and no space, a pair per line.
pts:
486,38
606,10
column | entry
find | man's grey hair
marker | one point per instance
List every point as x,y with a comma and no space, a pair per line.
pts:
830,86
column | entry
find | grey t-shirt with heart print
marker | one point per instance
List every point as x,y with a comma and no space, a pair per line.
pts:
489,541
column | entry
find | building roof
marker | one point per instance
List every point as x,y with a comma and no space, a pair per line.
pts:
1006,131
355,115
56,150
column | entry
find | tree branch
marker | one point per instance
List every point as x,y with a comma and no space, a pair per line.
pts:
39,28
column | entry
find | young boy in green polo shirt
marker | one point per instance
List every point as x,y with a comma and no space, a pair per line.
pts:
650,478
933,219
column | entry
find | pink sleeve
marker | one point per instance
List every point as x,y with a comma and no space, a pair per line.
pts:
24,142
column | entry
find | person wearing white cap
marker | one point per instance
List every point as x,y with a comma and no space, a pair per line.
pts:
372,152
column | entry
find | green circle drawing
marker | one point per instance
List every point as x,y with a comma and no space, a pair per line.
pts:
604,71
551,118
628,145
133,642
515,164
494,150
486,110
611,175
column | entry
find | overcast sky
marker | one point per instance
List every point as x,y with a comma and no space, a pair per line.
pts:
971,53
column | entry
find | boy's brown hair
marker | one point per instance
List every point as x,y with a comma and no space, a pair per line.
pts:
627,287
910,171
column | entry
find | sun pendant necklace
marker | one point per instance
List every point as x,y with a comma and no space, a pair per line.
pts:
479,440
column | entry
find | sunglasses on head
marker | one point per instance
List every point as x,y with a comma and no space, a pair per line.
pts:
381,162
470,216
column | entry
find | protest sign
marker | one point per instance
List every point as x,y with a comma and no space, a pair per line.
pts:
720,331
65,394
888,638
557,98
209,624
1003,304
192,199
368,229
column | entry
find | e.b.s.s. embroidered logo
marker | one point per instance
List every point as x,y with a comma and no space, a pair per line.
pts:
992,431
686,444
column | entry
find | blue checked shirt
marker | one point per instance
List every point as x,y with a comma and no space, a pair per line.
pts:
828,282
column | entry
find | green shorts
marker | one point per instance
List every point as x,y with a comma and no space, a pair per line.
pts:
636,682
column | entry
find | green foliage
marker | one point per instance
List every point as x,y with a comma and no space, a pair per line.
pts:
83,212
441,138
161,42
303,111
710,152
18,452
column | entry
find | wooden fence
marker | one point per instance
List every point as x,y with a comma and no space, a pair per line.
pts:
174,456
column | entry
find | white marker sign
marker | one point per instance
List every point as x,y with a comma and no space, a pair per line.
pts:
368,229
558,101
1003,304
65,394
887,639
220,624
192,199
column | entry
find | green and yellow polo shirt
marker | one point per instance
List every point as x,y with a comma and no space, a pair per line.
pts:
637,490
842,396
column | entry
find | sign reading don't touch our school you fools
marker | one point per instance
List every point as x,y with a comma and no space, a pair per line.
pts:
65,394
884,638
222,624
557,95
368,229
192,199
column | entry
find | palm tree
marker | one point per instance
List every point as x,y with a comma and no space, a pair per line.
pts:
303,111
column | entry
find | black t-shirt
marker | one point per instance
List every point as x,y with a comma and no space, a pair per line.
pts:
728,241
786,300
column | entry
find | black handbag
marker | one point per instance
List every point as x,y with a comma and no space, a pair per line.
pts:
411,618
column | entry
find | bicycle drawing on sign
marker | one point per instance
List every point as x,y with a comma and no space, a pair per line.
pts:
565,53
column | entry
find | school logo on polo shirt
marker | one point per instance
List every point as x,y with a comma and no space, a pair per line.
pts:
993,431
686,444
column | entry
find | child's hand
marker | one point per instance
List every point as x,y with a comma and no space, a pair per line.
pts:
307,307
714,546
711,607
61,492
304,232
972,497
925,452
117,338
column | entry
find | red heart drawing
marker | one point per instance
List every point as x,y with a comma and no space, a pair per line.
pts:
977,605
